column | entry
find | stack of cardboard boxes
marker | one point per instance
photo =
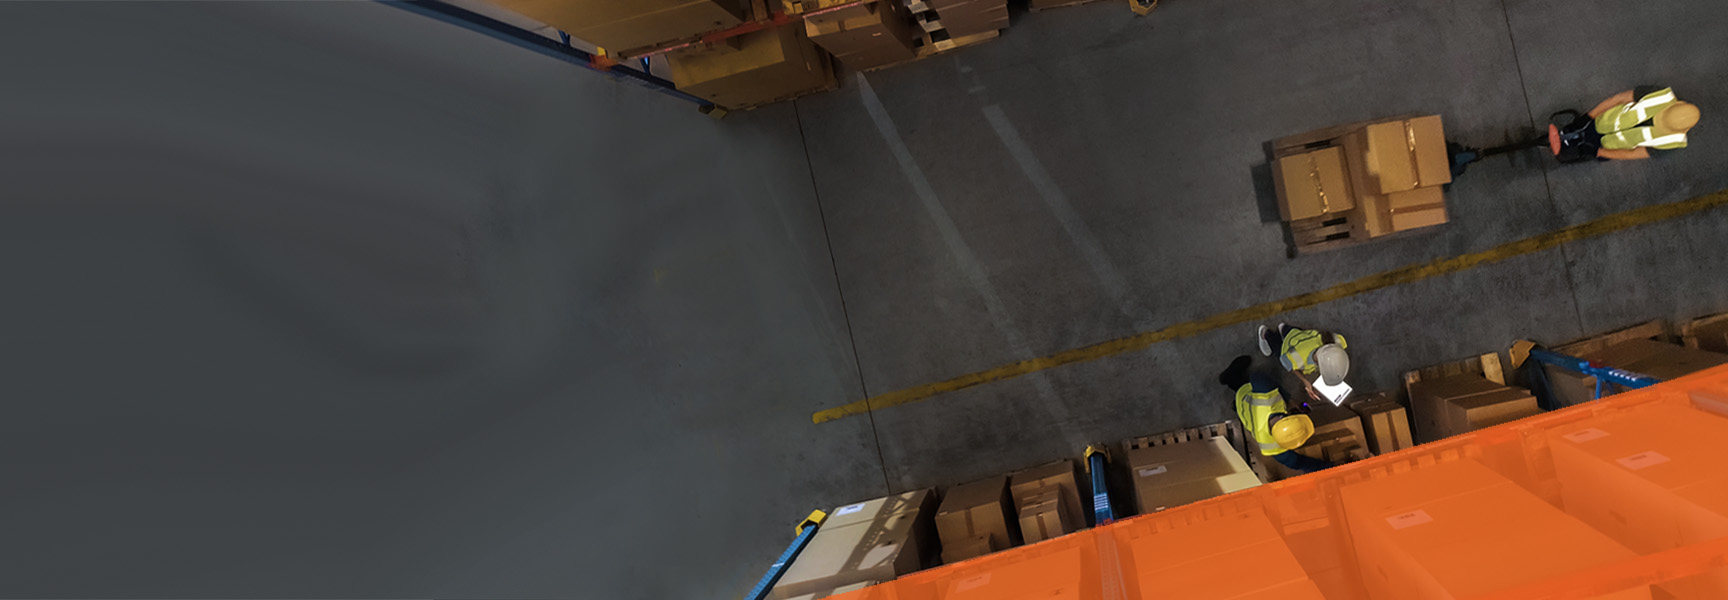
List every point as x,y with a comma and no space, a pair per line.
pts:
1046,501
871,541
1229,556
864,36
961,18
1661,360
619,26
1649,479
1385,423
1379,178
753,69
1459,404
975,520
1338,436
1409,529
1171,475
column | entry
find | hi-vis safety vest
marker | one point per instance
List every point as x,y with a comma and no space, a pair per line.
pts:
1620,129
1255,411
1297,352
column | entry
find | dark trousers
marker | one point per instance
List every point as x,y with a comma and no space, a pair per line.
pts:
1300,463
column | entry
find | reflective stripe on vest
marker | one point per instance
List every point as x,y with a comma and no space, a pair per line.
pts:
1629,115
1643,137
1297,352
1255,410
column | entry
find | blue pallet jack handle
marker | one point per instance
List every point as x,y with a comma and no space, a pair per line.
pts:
806,529
1604,374
1096,458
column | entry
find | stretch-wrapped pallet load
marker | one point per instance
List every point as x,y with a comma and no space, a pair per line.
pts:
753,69
631,24
864,36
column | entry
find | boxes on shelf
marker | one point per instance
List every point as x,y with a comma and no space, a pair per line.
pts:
1385,423
1044,515
865,36
1338,435
1409,530
1709,334
619,26
1172,475
767,65
1650,480
1661,360
876,540
1462,403
1058,474
1209,554
974,519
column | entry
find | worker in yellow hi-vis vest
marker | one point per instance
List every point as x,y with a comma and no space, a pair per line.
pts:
1629,125
1636,121
1275,427
1308,351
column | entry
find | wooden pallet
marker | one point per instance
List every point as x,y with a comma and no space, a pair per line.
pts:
1654,330
1487,365
928,47
1328,232
1230,430
1689,331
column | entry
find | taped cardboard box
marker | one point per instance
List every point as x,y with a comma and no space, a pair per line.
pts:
1044,515
1428,401
883,34
769,65
972,510
1312,184
1408,154
882,549
619,26
871,510
1058,474
1412,209
1650,479
1054,574
1385,424
1407,529
1480,411
1648,357
1211,553
1172,475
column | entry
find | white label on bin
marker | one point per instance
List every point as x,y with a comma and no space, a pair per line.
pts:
1409,519
846,510
1642,459
1585,435
1150,471
973,583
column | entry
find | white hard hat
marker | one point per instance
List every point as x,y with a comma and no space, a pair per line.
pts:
1334,363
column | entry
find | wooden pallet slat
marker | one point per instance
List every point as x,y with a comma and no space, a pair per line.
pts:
1652,330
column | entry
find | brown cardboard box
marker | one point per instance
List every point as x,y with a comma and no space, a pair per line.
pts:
1428,401
1404,155
1059,474
619,26
1213,554
877,550
968,548
872,510
1478,411
1407,530
1710,337
1648,357
1044,515
1312,184
1386,425
970,510
882,34
825,593
1420,207
769,65
1176,474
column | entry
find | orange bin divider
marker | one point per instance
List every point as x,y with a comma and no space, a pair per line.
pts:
1292,539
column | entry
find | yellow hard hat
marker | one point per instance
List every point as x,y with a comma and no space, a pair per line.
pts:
1292,431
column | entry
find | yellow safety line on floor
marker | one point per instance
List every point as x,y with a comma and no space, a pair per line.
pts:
1259,312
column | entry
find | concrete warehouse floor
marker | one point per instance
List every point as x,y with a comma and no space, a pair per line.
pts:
334,300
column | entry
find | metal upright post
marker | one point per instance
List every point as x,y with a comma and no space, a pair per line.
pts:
806,529
1096,458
